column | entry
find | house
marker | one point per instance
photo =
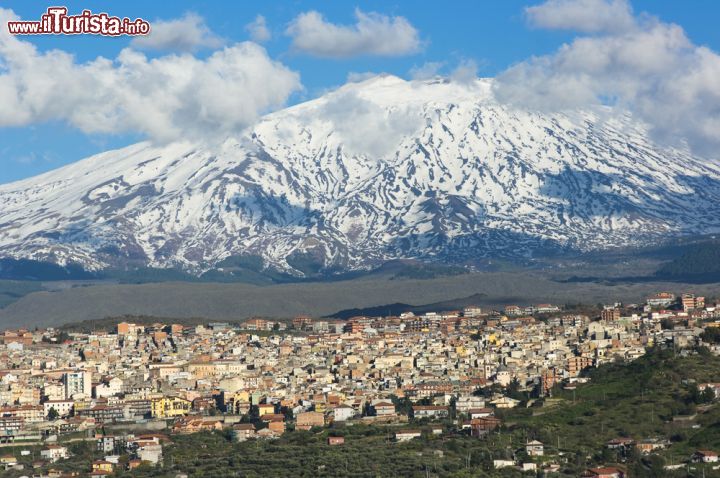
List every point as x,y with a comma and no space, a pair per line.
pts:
272,417
343,413
692,302
469,402
620,443
505,402
335,441
479,427
54,453
503,463
63,408
661,299
106,443
605,472
407,435
243,431
8,461
266,409
480,412
268,433
546,308
705,456
102,466
195,425
429,411
715,387
534,448
204,405
384,409
102,413
277,427
649,445
151,453
307,420
513,310
144,440
109,387
503,375
170,407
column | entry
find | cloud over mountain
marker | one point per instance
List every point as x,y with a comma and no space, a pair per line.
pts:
372,34
635,62
165,98
186,34
582,15
377,170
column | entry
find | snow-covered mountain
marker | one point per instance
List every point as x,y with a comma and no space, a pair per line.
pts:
376,170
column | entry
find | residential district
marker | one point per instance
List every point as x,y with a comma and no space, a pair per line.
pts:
261,378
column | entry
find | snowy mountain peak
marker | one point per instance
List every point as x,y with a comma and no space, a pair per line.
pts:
376,170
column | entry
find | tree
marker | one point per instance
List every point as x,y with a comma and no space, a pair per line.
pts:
513,390
53,414
694,394
453,408
656,463
402,405
711,335
707,395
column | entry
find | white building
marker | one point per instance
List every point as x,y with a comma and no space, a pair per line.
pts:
150,453
467,402
112,387
534,448
62,407
503,463
54,453
343,413
77,383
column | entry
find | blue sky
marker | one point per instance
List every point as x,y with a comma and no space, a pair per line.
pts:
493,34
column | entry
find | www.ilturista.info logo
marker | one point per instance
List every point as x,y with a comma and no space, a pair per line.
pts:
57,22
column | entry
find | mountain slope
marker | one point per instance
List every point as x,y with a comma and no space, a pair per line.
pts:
374,171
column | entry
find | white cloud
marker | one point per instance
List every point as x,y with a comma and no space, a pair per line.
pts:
34,158
366,128
427,70
258,30
163,98
357,77
373,34
185,34
589,16
651,69
465,72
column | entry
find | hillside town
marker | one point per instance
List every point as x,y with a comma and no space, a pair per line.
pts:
132,389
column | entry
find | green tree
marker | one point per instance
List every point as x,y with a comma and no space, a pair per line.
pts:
711,335
707,395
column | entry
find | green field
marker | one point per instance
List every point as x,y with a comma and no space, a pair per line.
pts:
654,397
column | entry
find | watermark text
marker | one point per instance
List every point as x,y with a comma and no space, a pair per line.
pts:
56,21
